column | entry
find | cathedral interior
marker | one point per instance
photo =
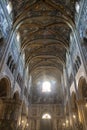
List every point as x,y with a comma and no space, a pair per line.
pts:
43,65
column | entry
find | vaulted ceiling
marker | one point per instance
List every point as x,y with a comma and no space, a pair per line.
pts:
44,27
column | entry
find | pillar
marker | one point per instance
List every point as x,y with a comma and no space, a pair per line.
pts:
69,102
38,124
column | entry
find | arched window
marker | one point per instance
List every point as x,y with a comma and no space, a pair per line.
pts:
18,41
9,7
46,86
9,60
23,57
11,64
13,68
26,76
79,61
77,7
75,67
46,116
77,64
18,36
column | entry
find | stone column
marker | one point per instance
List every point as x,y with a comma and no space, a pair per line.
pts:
63,87
29,124
23,85
54,124
33,124
73,74
38,124
69,102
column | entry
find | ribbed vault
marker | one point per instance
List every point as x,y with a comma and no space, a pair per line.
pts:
44,27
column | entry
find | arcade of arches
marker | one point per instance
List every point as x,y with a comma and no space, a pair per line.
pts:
43,64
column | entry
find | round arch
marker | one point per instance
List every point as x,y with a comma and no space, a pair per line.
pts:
16,96
5,87
46,115
74,103
46,121
44,111
76,111
82,88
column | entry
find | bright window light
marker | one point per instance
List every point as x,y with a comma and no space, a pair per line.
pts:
46,86
18,36
77,7
46,116
9,7
23,55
